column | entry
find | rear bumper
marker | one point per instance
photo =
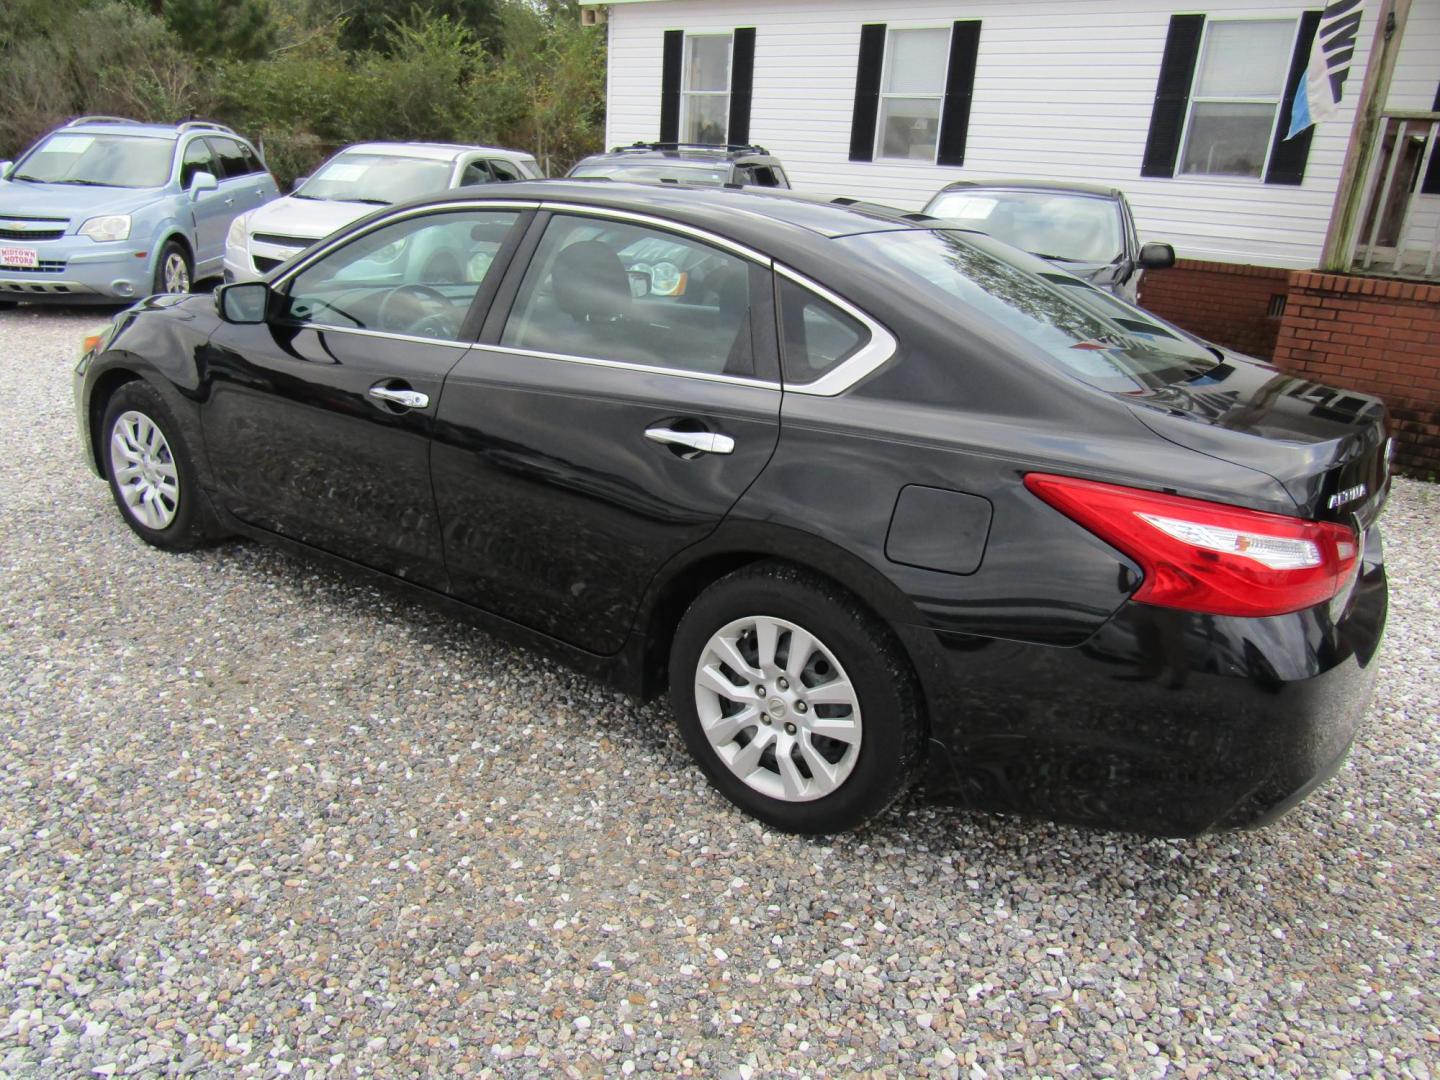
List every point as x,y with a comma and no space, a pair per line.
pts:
1164,722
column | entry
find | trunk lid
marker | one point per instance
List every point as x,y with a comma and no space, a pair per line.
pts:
1329,448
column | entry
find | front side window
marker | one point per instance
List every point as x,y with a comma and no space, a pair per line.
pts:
378,179
705,89
626,293
197,159
912,90
125,161
1239,84
416,277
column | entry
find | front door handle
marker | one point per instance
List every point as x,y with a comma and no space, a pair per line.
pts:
706,442
407,399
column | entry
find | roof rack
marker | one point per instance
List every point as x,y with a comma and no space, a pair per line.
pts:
99,120
207,125
641,144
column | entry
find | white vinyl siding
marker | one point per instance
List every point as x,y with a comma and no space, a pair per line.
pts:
1063,89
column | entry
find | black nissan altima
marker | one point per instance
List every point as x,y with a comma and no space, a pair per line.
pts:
873,500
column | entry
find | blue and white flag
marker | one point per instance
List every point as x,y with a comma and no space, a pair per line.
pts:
1318,96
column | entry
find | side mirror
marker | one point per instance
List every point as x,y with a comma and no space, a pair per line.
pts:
201,182
243,302
1157,257
639,284
5,169
299,183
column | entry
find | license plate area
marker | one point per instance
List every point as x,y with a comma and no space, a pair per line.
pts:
19,258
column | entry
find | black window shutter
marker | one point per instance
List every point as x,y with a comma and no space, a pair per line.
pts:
959,91
1288,156
742,82
1431,184
1172,95
867,92
670,70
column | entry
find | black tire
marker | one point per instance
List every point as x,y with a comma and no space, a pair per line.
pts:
891,724
6,305
173,249
190,523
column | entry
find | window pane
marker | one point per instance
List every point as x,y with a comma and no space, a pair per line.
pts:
613,291
709,65
415,277
1245,59
197,160
707,118
1080,228
909,128
818,335
1227,139
917,61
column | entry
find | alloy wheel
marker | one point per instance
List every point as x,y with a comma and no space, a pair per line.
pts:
778,708
144,470
176,274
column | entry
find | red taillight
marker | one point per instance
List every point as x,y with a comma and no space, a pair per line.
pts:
1204,556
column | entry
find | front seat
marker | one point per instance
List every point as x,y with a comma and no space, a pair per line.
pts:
592,287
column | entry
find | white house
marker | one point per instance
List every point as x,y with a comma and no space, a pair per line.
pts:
1182,107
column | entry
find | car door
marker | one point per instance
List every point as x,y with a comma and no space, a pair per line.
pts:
244,179
211,211
615,410
318,422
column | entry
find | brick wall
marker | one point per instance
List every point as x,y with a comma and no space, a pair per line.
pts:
1227,303
1377,336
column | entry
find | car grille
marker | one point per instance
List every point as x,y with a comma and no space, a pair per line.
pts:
282,241
264,265
47,266
22,234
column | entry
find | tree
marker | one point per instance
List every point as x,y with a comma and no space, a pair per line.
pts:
238,29
369,25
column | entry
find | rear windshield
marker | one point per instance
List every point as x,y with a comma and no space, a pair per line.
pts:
127,161
380,179
1088,332
654,171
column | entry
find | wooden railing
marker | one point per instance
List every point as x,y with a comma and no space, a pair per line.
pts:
1399,234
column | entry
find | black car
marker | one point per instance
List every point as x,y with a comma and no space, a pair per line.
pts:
1088,229
1036,546
686,163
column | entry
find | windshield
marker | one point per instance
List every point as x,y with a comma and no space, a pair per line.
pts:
655,170
1054,225
1090,333
376,178
127,161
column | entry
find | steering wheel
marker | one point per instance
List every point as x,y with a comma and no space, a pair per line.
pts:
422,317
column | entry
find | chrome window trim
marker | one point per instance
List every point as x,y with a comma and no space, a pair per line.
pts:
317,253
665,225
871,356
625,365
325,328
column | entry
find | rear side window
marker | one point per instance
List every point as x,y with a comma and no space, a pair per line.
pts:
505,171
816,335
625,293
477,172
232,158
253,164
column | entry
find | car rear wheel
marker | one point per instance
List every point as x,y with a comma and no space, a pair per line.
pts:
173,271
796,701
149,468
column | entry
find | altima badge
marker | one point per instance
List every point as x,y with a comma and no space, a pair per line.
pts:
1350,494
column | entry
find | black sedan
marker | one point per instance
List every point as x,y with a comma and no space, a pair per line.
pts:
873,500
1088,229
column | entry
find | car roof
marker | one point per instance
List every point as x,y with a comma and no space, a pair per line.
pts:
682,152
116,125
748,216
1063,187
433,151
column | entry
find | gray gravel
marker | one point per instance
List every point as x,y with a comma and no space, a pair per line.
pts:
256,820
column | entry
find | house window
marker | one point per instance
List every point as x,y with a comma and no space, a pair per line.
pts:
1239,85
912,91
705,90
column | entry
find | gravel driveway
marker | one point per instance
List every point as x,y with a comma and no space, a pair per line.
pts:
256,820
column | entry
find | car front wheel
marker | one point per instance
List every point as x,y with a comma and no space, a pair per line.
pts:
796,701
149,468
173,272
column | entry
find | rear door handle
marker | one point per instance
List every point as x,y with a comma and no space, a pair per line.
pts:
706,442
407,399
